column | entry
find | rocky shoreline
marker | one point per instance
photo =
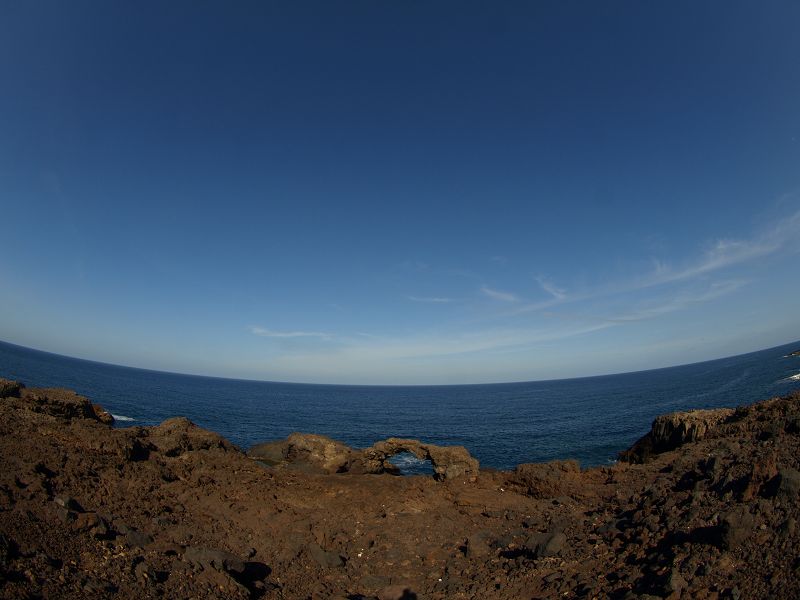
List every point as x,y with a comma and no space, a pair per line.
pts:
703,506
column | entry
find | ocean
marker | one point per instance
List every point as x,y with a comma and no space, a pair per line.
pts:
589,419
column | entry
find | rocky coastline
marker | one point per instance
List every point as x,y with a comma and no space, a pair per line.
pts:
705,505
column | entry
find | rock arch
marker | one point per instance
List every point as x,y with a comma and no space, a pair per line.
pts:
322,454
448,462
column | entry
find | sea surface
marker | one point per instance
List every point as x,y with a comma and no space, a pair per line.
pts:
589,419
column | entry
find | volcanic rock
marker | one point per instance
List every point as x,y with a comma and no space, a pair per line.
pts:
318,453
673,430
214,559
448,462
308,451
10,389
87,510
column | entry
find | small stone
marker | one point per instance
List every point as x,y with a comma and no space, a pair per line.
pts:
121,526
542,545
144,571
675,583
324,558
478,544
788,483
85,521
788,527
737,526
215,559
102,414
68,503
66,516
138,539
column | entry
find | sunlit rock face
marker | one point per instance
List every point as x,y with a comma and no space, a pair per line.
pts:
311,452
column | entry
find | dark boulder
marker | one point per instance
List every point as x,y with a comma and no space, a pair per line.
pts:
788,483
218,560
10,389
324,558
543,545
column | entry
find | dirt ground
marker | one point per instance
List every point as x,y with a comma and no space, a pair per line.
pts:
91,511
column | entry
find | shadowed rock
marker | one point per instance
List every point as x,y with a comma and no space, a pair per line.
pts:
10,389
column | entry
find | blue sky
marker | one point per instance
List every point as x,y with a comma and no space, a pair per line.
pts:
399,192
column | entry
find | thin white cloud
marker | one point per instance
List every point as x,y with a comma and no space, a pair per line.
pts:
499,295
719,255
615,305
270,333
680,302
552,289
724,253
416,347
434,299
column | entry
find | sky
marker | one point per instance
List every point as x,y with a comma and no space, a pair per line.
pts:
399,192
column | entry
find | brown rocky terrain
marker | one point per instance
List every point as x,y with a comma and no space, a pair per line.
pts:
706,506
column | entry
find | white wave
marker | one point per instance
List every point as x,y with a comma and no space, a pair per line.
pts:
122,417
406,460
410,464
793,377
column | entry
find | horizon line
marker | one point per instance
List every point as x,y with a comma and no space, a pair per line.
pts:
386,385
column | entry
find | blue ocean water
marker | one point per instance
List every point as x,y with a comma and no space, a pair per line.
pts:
589,419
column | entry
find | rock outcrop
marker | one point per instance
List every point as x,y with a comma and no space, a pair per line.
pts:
548,480
448,462
317,453
306,451
56,401
673,430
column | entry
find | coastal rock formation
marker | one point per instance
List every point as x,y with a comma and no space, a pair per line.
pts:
306,451
57,402
178,435
673,430
174,511
448,462
317,453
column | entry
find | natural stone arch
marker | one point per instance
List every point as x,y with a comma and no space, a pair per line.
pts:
319,453
448,462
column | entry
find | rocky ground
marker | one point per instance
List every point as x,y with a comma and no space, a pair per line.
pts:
707,507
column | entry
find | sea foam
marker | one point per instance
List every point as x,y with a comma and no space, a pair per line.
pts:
122,417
